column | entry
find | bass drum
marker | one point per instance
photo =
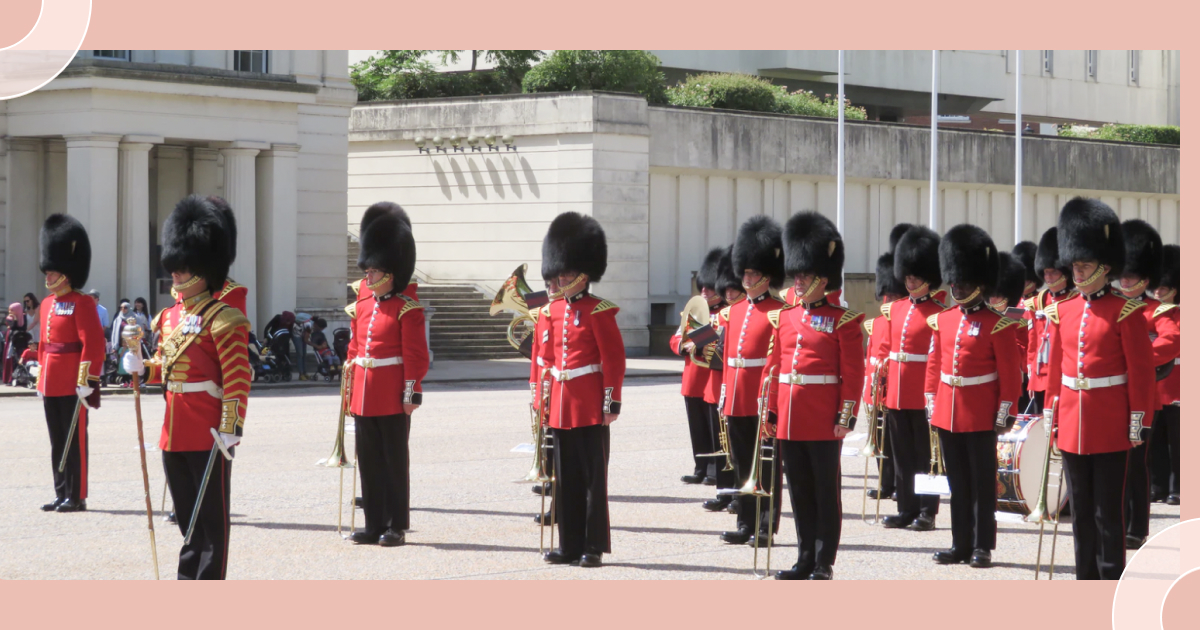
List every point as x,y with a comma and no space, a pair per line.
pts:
1020,454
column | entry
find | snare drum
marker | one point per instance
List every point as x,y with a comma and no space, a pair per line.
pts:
1020,454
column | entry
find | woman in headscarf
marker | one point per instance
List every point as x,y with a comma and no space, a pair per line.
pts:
16,321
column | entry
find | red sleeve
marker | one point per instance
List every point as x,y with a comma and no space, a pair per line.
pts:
774,350
677,341
933,365
1008,367
853,364
1054,366
1031,347
612,357
414,349
1166,344
352,345
1135,341
881,334
235,375
91,334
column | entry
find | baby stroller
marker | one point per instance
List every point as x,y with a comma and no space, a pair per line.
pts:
275,365
341,343
20,377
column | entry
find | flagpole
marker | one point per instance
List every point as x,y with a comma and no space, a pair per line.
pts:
1017,231
841,151
933,148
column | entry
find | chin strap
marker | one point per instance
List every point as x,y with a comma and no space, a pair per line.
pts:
579,279
1138,288
180,288
812,288
60,286
387,277
761,281
970,298
1092,278
924,285
1057,286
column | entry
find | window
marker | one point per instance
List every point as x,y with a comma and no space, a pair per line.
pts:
122,55
1135,63
1048,62
250,60
1093,59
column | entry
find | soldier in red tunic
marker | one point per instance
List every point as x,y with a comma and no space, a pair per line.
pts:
1025,253
887,289
729,287
71,356
586,356
816,350
1142,275
1009,293
203,364
1164,445
758,259
1101,374
1059,286
905,343
386,361
972,383
537,365
697,374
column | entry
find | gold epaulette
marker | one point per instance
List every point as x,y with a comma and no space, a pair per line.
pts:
409,305
848,317
545,310
1004,322
604,305
773,317
886,309
534,313
932,321
157,318
1031,303
355,286
230,286
1130,307
868,325
1163,308
351,310
724,314
1051,312
227,320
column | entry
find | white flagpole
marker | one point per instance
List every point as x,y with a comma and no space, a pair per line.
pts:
1017,232
841,154
933,149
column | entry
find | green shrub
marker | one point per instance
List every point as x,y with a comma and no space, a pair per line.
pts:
633,71
804,103
1147,134
754,94
404,74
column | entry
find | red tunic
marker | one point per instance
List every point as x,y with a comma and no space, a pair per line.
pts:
234,295
712,389
1037,368
695,377
72,348
387,329
823,341
541,333
874,332
1099,337
973,343
1168,388
586,352
218,357
1163,322
748,334
904,340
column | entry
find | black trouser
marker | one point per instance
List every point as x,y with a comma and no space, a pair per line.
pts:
1137,493
71,483
814,479
743,444
382,443
1024,400
1096,488
581,505
725,478
908,431
207,556
1164,451
971,471
888,473
701,433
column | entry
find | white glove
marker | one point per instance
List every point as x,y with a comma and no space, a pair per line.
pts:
230,440
83,392
40,394
132,363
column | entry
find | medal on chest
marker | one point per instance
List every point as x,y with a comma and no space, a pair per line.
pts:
64,308
973,330
577,319
822,323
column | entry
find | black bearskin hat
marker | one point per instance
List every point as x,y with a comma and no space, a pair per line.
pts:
1011,284
66,249
967,255
885,277
1025,252
576,243
222,206
759,246
1047,257
1143,251
1170,268
1089,230
917,255
195,238
726,278
386,243
898,231
812,244
707,276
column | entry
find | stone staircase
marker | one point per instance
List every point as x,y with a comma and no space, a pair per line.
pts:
459,325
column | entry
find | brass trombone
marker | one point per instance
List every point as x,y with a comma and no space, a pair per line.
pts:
337,459
754,485
876,447
543,443
1040,514
723,438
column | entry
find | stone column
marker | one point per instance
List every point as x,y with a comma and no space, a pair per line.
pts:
24,205
133,199
92,198
277,229
206,178
239,192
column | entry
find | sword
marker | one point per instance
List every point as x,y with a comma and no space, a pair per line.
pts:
218,448
62,463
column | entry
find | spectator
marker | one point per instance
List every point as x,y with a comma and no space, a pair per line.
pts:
103,312
119,322
17,322
30,354
300,335
31,310
320,344
141,311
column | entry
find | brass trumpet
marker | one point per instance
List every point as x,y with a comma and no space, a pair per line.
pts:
754,485
337,459
876,436
1040,514
511,297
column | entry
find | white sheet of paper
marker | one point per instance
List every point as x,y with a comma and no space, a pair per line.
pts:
849,451
1009,517
854,437
522,448
930,484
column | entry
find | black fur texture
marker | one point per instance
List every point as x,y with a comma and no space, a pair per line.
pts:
1089,230
885,278
575,243
195,238
759,246
1143,251
66,249
967,256
706,278
386,243
1025,252
812,244
1011,285
917,255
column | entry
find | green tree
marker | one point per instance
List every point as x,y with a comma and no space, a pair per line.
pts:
408,74
634,71
513,64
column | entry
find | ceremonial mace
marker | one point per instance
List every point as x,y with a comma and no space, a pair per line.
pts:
132,336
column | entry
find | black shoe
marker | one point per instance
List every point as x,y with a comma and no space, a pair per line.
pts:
71,505
925,523
951,556
712,505
822,573
872,493
591,560
537,489
558,557
358,502
893,496
692,479
981,559
1158,496
1134,542
795,573
733,508
51,506
710,481
896,522
737,537
542,518
762,539
1173,499
364,538
170,517
391,538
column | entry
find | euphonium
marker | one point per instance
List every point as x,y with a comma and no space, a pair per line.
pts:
511,297
694,316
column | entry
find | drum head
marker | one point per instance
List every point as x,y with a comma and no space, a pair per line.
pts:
1031,456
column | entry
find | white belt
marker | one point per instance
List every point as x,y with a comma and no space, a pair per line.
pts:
809,379
541,362
566,375
904,357
1176,361
873,361
373,362
963,381
745,363
1078,384
209,387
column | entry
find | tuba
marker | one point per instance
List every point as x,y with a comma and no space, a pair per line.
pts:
511,297
694,316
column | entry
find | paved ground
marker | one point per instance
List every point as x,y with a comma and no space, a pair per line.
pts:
469,519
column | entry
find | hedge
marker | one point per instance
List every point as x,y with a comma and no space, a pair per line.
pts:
755,94
633,71
1147,134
